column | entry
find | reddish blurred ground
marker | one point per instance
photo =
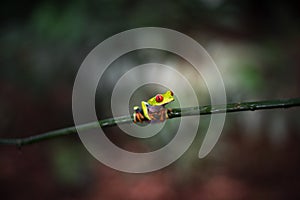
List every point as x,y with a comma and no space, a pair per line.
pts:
250,170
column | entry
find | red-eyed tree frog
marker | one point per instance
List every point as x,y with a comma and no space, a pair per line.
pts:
154,109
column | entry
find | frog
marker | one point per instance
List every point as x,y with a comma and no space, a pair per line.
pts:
154,109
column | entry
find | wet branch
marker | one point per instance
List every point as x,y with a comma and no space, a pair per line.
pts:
176,112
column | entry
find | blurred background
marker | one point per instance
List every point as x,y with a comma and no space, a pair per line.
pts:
255,44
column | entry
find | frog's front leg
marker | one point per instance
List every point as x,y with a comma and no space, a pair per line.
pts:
145,110
137,115
140,114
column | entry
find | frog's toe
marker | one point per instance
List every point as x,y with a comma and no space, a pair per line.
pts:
134,117
162,118
138,117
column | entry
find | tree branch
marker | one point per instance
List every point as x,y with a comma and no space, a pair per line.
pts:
175,112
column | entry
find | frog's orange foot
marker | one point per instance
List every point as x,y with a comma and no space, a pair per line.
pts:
138,117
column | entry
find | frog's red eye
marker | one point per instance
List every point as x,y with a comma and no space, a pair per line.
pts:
171,93
159,98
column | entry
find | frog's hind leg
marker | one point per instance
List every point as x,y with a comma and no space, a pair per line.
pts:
163,114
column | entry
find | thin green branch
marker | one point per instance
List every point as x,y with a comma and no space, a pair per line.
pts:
176,112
